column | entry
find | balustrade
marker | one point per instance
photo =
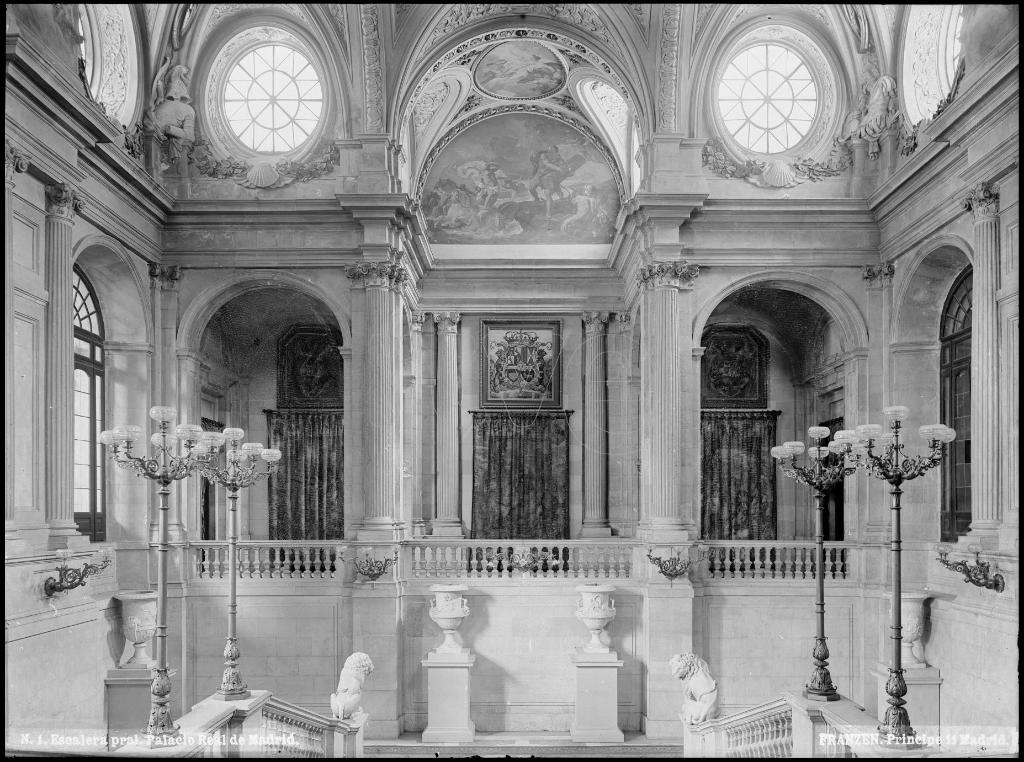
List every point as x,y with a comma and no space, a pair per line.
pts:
504,559
774,560
286,733
764,731
268,560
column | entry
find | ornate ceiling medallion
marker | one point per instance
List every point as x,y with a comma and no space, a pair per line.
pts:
519,70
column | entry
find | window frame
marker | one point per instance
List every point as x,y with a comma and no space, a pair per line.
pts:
955,523
91,523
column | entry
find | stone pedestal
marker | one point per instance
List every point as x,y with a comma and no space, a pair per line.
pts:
923,687
347,736
597,697
448,719
127,695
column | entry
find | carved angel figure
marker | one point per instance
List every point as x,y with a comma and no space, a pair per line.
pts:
880,113
700,690
345,700
173,119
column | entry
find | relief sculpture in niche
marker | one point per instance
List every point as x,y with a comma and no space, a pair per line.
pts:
309,368
734,373
520,178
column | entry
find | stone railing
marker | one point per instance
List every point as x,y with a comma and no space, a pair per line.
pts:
759,732
290,730
268,559
739,559
506,559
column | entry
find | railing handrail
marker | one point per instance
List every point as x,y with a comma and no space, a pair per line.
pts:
272,543
757,712
772,543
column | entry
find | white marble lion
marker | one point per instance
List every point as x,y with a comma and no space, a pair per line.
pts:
700,691
345,700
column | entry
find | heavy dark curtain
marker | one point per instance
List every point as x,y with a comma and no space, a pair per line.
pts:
306,495
521,475
738,475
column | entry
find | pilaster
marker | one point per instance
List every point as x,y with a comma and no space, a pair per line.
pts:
446,521
986,511
14,161
665,310
621,457
878,280
595,427
62,203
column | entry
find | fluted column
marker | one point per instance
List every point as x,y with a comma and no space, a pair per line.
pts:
986,512
595,427
446,521
14,161
62,203
666,339
381,448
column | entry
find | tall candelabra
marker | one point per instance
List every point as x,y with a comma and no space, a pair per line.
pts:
821,475
895,467
164,467
238,471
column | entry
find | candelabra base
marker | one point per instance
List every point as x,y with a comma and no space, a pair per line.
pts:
222,695
813,696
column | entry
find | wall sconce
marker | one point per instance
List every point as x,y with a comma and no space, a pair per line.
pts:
373,569
670,568
69,578
977,574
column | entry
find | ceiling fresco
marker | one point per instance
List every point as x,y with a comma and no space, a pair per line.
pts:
520,178
519,69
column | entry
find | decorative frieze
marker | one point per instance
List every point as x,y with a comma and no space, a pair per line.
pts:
671,274
378,274
879,275
63,201
982,200
776,173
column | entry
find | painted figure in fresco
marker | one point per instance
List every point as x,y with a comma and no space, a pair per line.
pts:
549,170
589,214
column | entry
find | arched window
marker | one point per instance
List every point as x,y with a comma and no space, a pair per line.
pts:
931,54
88,411
955,394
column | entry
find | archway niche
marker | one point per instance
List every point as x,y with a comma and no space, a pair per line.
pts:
773,364
270,362
915,362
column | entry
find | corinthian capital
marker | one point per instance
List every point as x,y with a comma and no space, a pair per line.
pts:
63,201
14,161
595,322
983,201
671,274
447,322
378,274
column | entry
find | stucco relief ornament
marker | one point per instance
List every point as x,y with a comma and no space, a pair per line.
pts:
983,201
879,274
675,274
379,274
775,173
668,67
173,119
373,77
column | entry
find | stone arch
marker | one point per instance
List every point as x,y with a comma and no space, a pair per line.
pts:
206,303
121,288
950,253
836,302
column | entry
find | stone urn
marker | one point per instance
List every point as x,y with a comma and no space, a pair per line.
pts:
448,609
138,625
912,619
595,610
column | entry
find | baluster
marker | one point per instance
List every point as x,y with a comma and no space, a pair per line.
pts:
201,562
222,561
416,559
845,558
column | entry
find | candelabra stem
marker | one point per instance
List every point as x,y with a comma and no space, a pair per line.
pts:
820,688
160,728
896,725
232,687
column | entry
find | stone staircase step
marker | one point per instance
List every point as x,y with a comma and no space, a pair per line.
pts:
521,745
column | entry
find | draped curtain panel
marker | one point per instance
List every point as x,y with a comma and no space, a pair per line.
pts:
521,475
738,475
306,494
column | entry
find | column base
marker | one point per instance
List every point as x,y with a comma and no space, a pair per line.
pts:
63,538
984,535
448,698
596,717
596,530
446,528
666,534
381,531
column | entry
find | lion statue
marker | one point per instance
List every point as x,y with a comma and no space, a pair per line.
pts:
345,700
700,691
